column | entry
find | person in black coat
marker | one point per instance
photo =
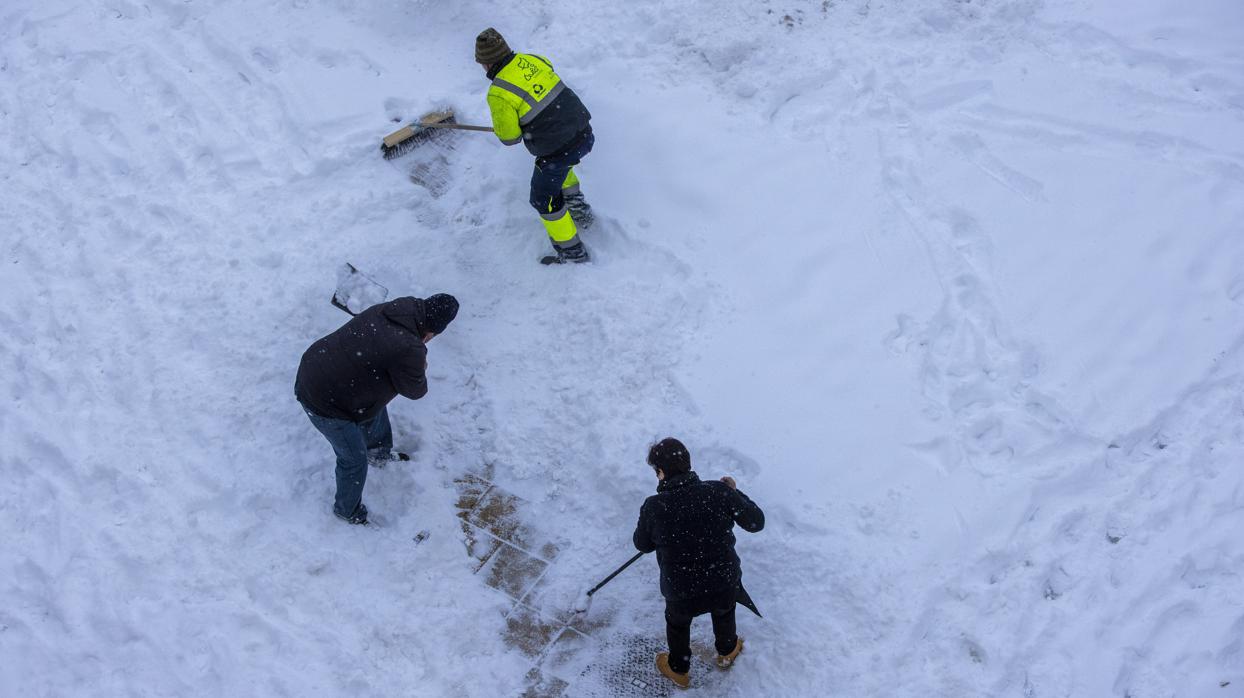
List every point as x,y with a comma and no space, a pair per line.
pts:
689,523
346,379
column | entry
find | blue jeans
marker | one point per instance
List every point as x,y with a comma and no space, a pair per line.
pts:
550,173
353,442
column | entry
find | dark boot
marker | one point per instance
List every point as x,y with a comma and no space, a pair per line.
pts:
574,254
381,458
580,210
359,517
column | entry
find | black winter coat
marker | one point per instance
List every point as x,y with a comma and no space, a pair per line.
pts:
559,128
690,524
354,372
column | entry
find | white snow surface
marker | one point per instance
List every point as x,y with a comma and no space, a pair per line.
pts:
953,288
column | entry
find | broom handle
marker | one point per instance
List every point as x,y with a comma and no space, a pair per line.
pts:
460,127
616,572
405,132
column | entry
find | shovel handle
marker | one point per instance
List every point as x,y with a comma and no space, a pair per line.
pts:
616,572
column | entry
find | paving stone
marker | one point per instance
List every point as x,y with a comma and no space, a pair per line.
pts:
540,685
529,631
479,544
599,615
512,571
552,599
499,512
569,655
471,489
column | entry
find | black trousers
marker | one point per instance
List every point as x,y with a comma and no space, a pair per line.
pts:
551,171
678,616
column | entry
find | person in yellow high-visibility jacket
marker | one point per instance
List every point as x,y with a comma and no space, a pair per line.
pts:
531,104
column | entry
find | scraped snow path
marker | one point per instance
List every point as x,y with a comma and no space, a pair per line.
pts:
955,292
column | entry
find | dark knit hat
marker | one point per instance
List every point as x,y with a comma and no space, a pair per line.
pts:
490,47
670,456
438,312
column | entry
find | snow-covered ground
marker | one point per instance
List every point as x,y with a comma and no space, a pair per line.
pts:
954,288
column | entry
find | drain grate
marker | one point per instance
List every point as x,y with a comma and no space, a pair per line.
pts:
626,668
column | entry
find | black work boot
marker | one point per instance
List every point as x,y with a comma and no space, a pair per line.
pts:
381,458
580,210
575,254
359,517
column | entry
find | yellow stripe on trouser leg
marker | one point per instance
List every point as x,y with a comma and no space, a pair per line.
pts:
571,185
561,227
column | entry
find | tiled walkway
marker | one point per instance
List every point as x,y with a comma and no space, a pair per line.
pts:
514,557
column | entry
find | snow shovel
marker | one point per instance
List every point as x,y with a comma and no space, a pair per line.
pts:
584,601
356,291
407,138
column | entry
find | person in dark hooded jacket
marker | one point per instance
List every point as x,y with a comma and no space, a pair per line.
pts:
346,380
689,523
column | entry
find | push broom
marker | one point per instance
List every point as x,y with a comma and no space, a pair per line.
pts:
407,138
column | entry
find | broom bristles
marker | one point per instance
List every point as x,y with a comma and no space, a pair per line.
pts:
419,133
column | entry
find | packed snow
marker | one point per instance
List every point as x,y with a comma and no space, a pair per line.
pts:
953,288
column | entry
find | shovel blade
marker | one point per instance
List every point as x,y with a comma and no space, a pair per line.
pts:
356,291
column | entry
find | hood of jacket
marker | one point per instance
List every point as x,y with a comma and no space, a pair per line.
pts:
496,67
406,312
676,481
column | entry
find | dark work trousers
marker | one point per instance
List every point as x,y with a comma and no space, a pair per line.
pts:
353,442
678,616
550,173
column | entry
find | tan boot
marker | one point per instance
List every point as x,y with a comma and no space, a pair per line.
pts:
663,666
725,661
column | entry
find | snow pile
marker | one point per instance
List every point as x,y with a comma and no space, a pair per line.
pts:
952,288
